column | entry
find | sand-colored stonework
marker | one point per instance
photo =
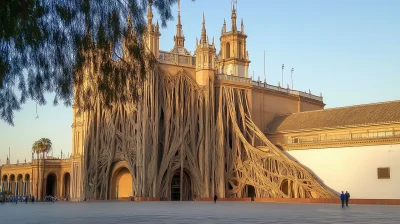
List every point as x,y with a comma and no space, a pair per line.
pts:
201,127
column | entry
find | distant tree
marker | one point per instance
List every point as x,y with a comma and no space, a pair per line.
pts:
43,145
45,45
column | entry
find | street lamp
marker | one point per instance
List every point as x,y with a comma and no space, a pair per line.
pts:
291,75
283,67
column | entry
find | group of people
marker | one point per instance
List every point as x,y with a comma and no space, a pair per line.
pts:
16,199
345,197
30,198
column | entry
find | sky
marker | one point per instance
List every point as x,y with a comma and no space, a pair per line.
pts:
348,50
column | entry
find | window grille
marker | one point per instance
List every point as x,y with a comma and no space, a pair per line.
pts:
384,173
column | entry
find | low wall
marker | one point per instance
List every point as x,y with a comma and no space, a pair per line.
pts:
330,201
144,199
281,200
224,199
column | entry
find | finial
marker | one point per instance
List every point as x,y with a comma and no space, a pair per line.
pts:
150,12
224,22
179,12
203,31
213,41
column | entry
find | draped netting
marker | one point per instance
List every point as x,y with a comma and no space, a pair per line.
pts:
204,133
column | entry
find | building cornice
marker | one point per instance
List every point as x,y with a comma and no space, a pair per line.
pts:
341,144
333,128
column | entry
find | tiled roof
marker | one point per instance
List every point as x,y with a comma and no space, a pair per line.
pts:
365,114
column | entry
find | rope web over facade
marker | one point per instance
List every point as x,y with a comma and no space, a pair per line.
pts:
205,133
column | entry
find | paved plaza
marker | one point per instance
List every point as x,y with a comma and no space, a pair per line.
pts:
194,212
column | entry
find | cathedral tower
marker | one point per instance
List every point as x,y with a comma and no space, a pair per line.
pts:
205,58
153,36
233,58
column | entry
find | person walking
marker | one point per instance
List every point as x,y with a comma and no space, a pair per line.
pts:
347,198
342,197
33,199
215,199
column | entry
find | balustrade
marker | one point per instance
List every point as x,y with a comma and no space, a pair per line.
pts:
176,59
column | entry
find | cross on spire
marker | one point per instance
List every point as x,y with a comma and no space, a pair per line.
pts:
234,3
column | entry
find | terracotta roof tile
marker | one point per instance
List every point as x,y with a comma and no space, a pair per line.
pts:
365,114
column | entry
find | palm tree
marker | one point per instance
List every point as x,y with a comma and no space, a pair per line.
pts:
36,149
43,145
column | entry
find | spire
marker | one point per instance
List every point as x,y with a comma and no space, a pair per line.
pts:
223,27
150,12
179,13
203,32
242,26
233,17
179,38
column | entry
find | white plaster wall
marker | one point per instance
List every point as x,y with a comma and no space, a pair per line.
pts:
354,169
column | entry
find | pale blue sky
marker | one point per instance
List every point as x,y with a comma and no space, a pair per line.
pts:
346,49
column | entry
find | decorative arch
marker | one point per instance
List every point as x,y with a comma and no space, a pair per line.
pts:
66,185
11,184
19,185
121,181
27,177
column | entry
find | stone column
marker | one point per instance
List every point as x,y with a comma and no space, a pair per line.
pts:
30,188
24,188
16,188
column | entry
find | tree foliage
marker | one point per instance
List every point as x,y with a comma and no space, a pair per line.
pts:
43,145
46,45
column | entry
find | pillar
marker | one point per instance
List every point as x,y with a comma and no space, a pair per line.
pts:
31,188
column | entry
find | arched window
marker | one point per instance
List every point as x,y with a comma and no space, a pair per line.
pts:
240,50
228,50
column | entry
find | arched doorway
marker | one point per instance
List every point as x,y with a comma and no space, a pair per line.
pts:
251,192
121,184
51,185
181,191
27,185
285,187
4,185
66,185
18,188
11,184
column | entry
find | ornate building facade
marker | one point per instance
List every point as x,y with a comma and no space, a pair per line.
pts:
203,127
